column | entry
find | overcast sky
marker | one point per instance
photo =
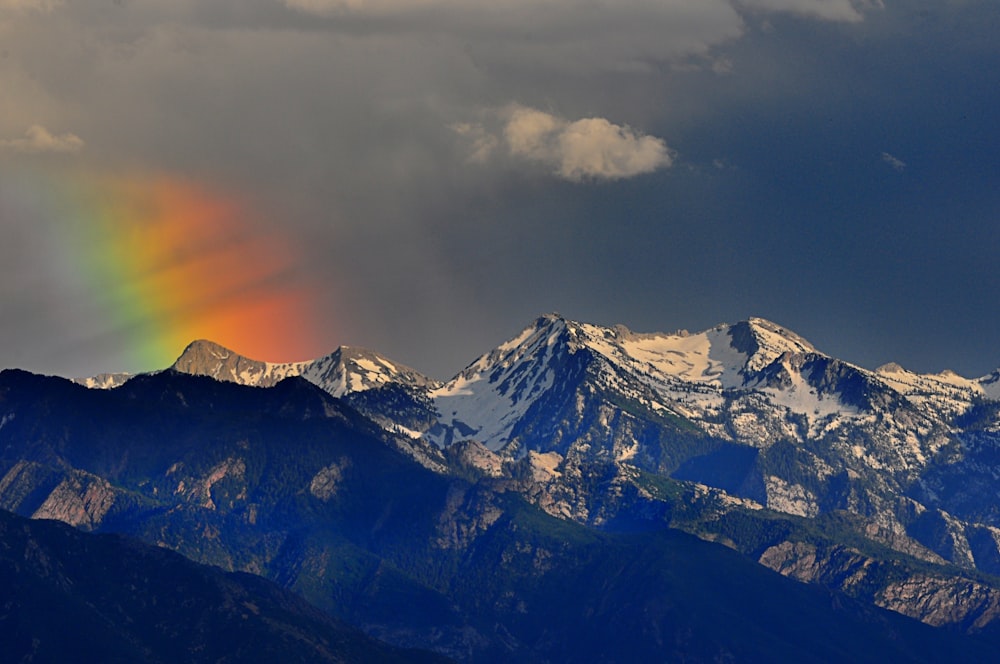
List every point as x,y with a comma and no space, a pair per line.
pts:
436,173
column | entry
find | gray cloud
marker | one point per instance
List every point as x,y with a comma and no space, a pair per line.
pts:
625,35
574,35
44,6
850,11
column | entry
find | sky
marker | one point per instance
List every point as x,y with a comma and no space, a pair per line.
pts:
426,177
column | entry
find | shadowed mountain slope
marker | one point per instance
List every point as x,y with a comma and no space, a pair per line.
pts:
68,596
292,484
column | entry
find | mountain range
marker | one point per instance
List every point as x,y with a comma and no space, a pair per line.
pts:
573,460
790,428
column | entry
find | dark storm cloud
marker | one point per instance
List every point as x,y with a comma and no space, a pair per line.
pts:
353,123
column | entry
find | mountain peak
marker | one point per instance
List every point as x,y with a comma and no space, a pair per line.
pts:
347,369
551,317
348,353
355,369
764,327
201,347
207,358
763,341
550,322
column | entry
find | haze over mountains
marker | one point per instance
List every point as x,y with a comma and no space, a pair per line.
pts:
453,515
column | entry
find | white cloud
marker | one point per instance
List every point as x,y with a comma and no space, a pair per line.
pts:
533,134
595,148
897,163
39,139
578,150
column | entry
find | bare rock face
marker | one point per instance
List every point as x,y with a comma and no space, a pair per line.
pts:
938,601
842,567
206,358
223,487
467,514
25,484
325,483
74,497
80,500
473,454
935,600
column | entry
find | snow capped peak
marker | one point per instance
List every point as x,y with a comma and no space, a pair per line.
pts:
991,385
545,332
550,319
724,356
679,374
354,369
487,399
104,381
763,342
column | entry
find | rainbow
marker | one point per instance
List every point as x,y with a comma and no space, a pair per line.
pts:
164,261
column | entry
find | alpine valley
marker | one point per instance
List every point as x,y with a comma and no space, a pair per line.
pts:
579,493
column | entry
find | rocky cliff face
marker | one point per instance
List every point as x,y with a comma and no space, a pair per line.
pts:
933,599
205,358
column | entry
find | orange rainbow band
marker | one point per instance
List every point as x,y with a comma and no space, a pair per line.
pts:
168,261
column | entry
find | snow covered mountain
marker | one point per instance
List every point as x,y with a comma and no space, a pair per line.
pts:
753,383
677,375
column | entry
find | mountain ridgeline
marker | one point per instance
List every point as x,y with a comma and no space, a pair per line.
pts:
553,500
